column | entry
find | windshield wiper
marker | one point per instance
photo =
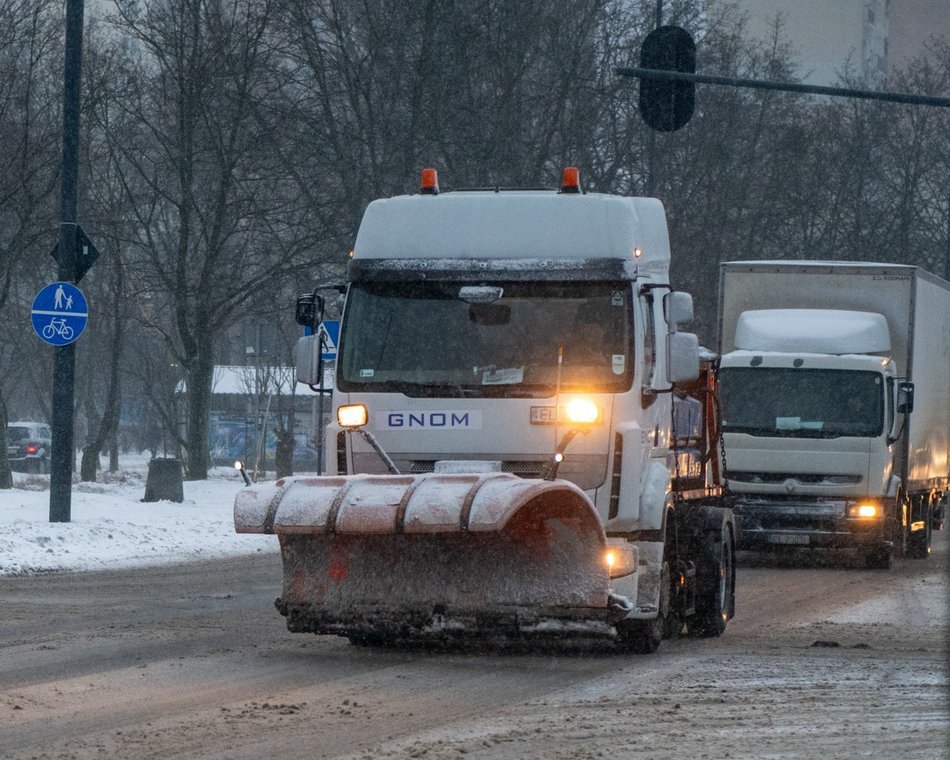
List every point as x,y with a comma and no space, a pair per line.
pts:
748,429
810,433
419,390
802,432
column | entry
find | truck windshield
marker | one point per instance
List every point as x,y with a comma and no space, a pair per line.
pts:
801,403
493,339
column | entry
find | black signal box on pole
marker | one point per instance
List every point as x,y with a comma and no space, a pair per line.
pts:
667,105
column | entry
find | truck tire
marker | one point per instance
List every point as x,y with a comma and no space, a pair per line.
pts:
919,541
878,558
644,636
900,528
715,582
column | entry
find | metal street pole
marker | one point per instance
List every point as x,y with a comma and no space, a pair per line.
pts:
64,357
651,145
946,256
321,428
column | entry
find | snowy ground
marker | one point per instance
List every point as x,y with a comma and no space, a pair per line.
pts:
111,527
821,661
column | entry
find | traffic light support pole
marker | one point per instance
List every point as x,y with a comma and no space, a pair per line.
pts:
845,92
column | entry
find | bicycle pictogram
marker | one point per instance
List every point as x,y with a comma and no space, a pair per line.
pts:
58,327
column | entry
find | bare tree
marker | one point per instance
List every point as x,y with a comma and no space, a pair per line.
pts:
912,197
232,146
210,223
29,155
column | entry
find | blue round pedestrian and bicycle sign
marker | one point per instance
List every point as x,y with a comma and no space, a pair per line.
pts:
59,313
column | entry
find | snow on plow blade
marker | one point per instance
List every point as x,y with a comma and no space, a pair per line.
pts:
435,554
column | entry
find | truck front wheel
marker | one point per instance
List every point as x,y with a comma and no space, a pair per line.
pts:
644,636
715,583
878,558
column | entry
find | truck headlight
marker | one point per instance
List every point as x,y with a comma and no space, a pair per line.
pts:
581,411
866,510
620,559
352,416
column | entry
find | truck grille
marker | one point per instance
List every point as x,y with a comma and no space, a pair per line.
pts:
790,514
811,479
521,469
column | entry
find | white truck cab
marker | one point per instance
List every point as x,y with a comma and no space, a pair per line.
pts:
509,367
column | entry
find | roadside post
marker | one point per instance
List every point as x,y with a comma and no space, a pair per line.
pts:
329,336
74,255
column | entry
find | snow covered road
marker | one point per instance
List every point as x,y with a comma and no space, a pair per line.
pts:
193,661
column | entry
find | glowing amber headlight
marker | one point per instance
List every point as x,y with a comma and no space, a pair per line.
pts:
581,411
867,510
620,559
352,416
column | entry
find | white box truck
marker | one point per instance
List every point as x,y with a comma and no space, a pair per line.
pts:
835,383
505,459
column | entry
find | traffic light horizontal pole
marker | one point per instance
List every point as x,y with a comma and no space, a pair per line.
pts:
758,84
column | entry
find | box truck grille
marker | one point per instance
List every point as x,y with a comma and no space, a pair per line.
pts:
804,478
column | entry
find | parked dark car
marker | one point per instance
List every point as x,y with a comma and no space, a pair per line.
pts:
28,446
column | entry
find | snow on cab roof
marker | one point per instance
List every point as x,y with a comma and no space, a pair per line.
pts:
824,331
516,225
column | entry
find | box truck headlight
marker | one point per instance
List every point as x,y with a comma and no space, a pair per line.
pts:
865,510
620,560
352,416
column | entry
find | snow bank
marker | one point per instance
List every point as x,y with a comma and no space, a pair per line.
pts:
111,527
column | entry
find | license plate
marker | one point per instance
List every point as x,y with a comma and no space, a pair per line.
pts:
784,538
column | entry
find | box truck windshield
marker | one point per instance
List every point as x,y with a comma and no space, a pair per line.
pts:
802,403
490,339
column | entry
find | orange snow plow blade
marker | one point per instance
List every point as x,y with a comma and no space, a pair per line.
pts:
382,556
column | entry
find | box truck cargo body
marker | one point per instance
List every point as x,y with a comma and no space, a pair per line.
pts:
836,404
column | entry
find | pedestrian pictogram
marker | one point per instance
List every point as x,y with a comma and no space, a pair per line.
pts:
331,332
59,313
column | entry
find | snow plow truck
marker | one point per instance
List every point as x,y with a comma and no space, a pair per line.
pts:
526,442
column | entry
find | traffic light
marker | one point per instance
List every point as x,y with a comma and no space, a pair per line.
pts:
666,104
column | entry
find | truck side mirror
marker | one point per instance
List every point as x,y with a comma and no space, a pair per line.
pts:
309,310
308,360
905,397
682,357
679,308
